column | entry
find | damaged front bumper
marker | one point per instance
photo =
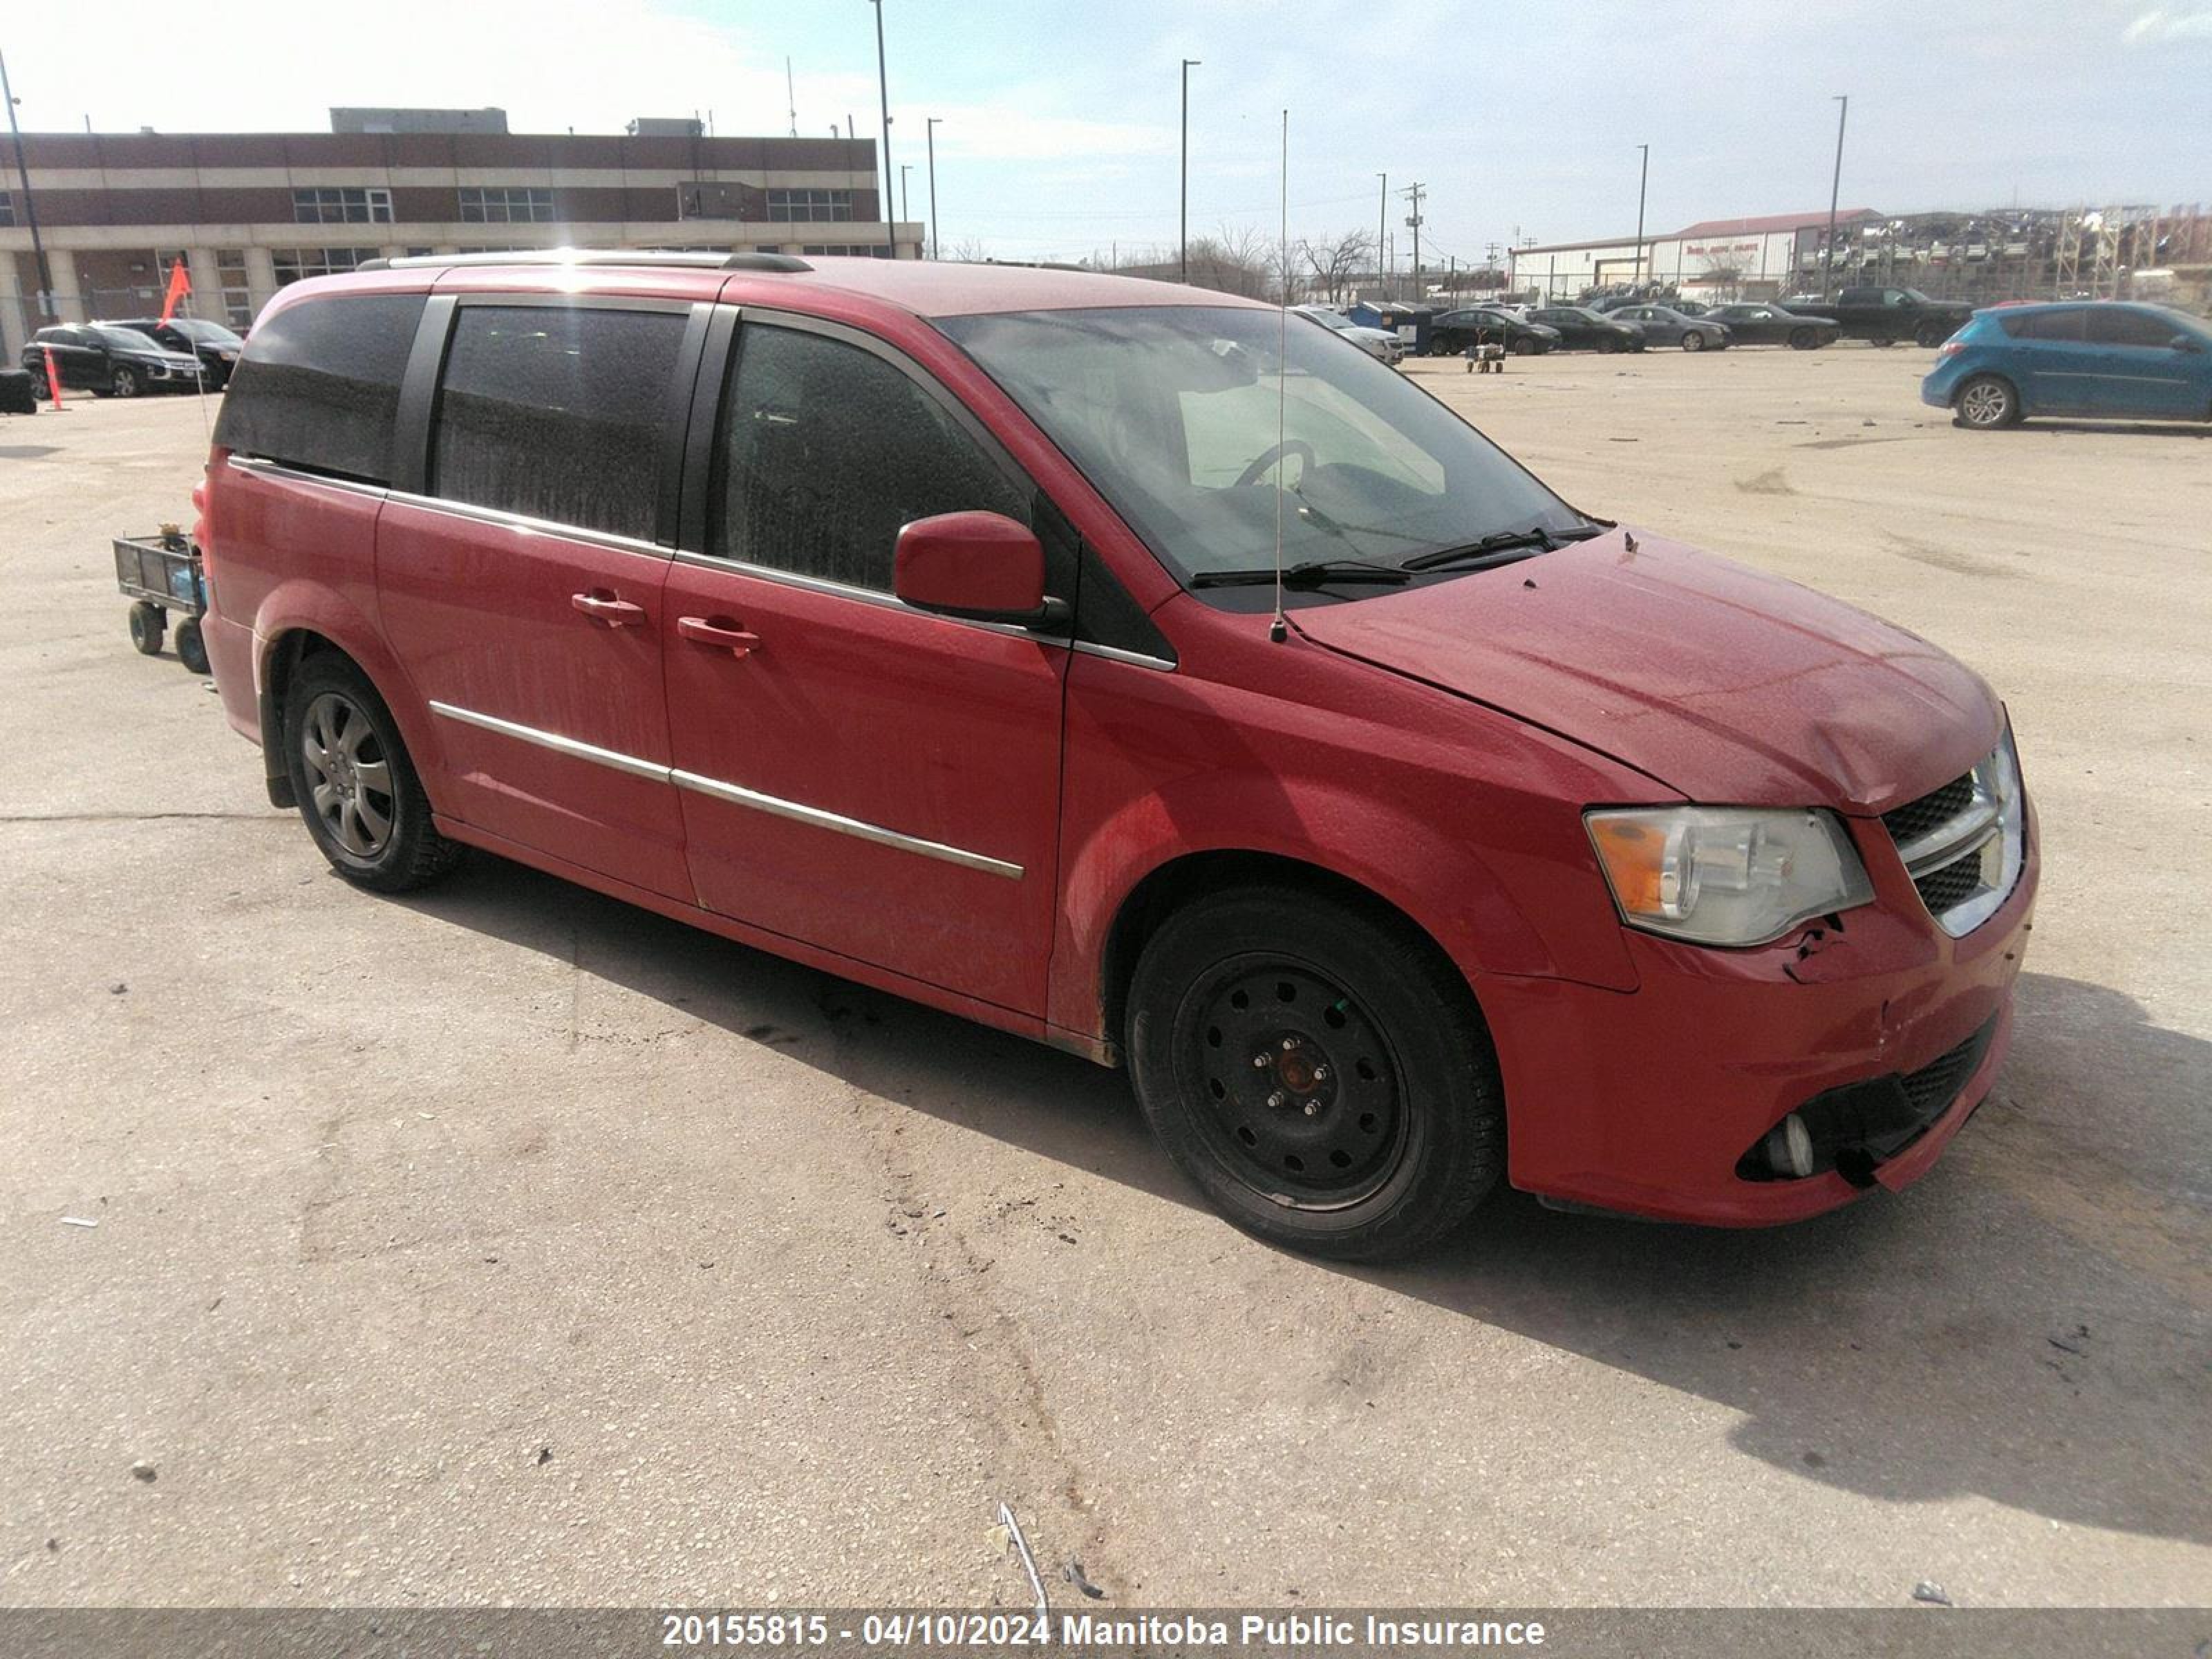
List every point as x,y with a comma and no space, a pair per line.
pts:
1881,1031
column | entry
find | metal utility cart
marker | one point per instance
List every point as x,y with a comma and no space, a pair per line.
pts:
161,573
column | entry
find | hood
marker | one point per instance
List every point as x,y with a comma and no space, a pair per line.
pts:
1728,685
1360,331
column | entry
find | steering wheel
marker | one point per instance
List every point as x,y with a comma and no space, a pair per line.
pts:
1271,455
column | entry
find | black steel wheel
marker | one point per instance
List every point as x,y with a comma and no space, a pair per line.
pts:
191,649
1804,340
1319,1071
148,623
357,790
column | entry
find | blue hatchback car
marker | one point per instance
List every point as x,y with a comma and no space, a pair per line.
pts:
2104,358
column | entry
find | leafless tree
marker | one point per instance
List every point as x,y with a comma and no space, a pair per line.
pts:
1335,261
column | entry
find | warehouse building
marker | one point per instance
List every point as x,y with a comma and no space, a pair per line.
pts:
250,212
1729,258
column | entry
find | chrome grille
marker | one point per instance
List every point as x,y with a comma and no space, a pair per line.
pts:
1962,844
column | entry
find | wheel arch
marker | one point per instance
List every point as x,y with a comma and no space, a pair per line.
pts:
1171,886
284,649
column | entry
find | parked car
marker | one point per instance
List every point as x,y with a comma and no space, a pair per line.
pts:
1664,325
109,359
215,346
1883,316
2108,359
1379,343
1581,329
1104,665
1455,330
1766,325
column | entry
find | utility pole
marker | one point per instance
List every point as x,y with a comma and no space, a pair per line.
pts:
1182,212
1642,178
791,96
1835,194
30,210
883,88
1413,219
1382,234
930,127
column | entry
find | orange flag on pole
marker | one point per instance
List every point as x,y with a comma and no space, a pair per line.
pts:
181,285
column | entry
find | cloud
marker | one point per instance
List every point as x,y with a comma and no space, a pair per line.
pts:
2157,26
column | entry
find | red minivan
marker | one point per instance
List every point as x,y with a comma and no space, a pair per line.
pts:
921,622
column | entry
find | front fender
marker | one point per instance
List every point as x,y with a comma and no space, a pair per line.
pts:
1503,878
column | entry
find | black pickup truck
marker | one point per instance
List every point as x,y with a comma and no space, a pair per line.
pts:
1884,316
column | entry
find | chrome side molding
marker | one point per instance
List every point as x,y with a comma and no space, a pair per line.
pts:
736,794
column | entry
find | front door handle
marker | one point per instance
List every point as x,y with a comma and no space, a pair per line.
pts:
600,605
718,633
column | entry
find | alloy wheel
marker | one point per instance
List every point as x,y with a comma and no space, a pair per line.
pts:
348,776
1985,403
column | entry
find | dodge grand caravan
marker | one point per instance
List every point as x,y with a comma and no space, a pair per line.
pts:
920,621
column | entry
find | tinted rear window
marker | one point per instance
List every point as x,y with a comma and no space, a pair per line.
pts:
558,414
2043,325
319,383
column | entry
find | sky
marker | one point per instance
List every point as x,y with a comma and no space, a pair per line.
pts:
1059,136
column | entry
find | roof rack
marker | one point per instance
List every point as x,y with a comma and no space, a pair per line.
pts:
579,256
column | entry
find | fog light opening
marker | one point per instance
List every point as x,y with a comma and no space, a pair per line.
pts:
1788,1148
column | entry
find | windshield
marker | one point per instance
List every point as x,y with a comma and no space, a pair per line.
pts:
1172,412
129,338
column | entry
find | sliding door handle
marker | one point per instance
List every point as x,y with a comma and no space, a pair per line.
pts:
718,633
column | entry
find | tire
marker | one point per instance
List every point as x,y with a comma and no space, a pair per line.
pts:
1881,341
1409,1133
1930,335
124,382
371,818
1692,341
1804,340
1527,346
1608,345
1985,403
148,621
191,649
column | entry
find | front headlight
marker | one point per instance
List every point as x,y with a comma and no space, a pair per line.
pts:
1726,875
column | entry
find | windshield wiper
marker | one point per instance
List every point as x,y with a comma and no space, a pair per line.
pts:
1534,539
1311,573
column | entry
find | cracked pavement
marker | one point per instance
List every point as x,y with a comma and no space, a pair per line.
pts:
504,1243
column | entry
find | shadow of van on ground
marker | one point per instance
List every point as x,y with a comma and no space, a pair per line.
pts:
2030,1323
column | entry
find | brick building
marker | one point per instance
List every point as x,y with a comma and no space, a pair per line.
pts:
251,211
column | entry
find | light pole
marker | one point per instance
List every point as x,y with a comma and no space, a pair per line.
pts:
905,167
1413,221
929,126
1382,226
1835,194
1642,178
1182,211
883,90
30,212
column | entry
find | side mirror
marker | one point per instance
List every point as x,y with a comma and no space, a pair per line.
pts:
980,566
2183,342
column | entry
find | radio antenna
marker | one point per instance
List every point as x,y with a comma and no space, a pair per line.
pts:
1277,630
